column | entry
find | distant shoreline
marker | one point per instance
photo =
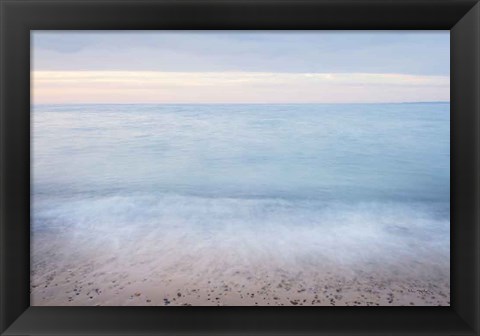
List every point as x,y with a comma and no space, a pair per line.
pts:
207,104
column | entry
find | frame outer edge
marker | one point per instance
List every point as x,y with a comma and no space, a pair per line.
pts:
476,160
3,143
14,259
469,138
2,171
476,325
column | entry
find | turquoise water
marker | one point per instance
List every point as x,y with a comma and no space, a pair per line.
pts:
396,152
347,183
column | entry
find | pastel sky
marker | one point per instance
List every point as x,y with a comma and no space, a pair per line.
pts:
240,67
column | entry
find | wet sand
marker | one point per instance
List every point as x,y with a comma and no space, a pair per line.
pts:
126,282
330,291
120,290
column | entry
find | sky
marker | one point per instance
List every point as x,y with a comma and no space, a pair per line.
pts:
240,66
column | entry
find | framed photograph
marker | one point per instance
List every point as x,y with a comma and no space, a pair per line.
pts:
229,167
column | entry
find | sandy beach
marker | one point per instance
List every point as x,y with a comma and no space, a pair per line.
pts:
143,279
70,289
73,287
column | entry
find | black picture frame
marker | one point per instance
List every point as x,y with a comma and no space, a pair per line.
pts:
19,17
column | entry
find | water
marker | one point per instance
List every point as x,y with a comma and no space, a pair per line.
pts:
226,186
396,152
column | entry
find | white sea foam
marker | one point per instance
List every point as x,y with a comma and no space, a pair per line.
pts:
233,233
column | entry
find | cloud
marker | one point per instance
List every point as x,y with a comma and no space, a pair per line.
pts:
412,52
234,87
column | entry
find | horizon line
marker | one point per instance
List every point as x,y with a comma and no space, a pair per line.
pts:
247,103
